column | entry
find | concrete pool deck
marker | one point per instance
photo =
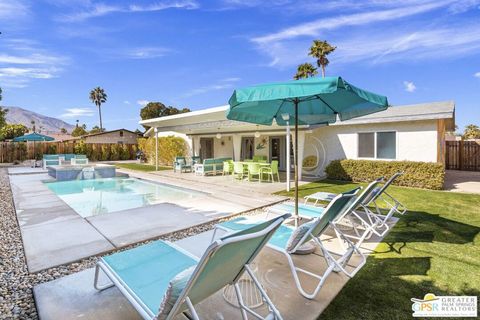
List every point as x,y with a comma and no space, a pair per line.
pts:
54,234
74,296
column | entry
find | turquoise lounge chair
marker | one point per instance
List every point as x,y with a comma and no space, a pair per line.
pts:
79,159
288,240
162,280
50,160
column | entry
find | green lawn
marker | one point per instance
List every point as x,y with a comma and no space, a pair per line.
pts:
434,248
140,167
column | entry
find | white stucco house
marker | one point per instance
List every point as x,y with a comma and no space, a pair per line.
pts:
410,132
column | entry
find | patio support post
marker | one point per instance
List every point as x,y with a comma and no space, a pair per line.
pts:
237,146
296,162
288,156
156,148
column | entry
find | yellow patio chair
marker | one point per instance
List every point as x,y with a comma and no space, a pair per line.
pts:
254,170
271,171
227,167
238,171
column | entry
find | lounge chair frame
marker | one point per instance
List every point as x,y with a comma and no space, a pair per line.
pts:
202,263
334,264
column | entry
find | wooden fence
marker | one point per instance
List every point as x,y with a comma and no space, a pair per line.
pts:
462,155
19,151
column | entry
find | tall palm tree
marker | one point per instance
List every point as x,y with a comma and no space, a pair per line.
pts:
305,70
98,96
320,50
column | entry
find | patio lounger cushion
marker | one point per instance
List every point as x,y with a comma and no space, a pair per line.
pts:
175,288
147,270
279,239
297,235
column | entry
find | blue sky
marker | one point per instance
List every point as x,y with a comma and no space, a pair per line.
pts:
192,53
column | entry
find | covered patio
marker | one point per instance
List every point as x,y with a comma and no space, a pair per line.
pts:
210,135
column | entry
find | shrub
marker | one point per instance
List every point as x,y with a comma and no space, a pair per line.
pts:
125,153
80,147
425,175
168,148
105,153
51,149
116,151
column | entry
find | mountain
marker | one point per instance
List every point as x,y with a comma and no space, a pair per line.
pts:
18,115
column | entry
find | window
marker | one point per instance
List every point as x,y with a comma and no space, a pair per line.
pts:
377,145
366,145
386,145
121,133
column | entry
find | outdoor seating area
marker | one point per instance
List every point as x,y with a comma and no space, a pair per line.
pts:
256,169
61,159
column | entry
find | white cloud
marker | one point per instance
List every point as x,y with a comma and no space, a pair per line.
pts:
380,34
315,27
231,79
390,44
142,103
221,84
77,112
145,53
477,74
34,58
22,61
35,73
13,9
100,9
126,102
409,86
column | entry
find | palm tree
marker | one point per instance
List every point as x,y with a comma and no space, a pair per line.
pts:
305,70
320,50
98,96
33,125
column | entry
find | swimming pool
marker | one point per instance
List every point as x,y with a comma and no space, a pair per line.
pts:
100,196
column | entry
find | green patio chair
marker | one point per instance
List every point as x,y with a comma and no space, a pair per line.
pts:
162,280
271,171
287,240
238,170
227,167
258,158
254,170
180,164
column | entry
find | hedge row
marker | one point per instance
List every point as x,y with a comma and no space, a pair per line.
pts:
425,175
168,148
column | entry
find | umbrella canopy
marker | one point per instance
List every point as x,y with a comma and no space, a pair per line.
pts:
307,101
33,137
320,99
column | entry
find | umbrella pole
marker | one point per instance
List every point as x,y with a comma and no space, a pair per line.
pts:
296,162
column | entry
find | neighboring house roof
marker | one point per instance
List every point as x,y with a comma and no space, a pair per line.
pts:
102,133
214,118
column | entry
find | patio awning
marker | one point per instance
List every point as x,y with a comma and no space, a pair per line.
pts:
207,121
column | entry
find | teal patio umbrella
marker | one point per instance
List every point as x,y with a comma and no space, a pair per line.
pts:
307,102
33,137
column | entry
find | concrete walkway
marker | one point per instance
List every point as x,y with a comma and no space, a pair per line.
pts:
54,234
74,296
462,181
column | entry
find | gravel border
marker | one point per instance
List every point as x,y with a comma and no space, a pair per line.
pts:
16,283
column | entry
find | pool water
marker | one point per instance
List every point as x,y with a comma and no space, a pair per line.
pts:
100,196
